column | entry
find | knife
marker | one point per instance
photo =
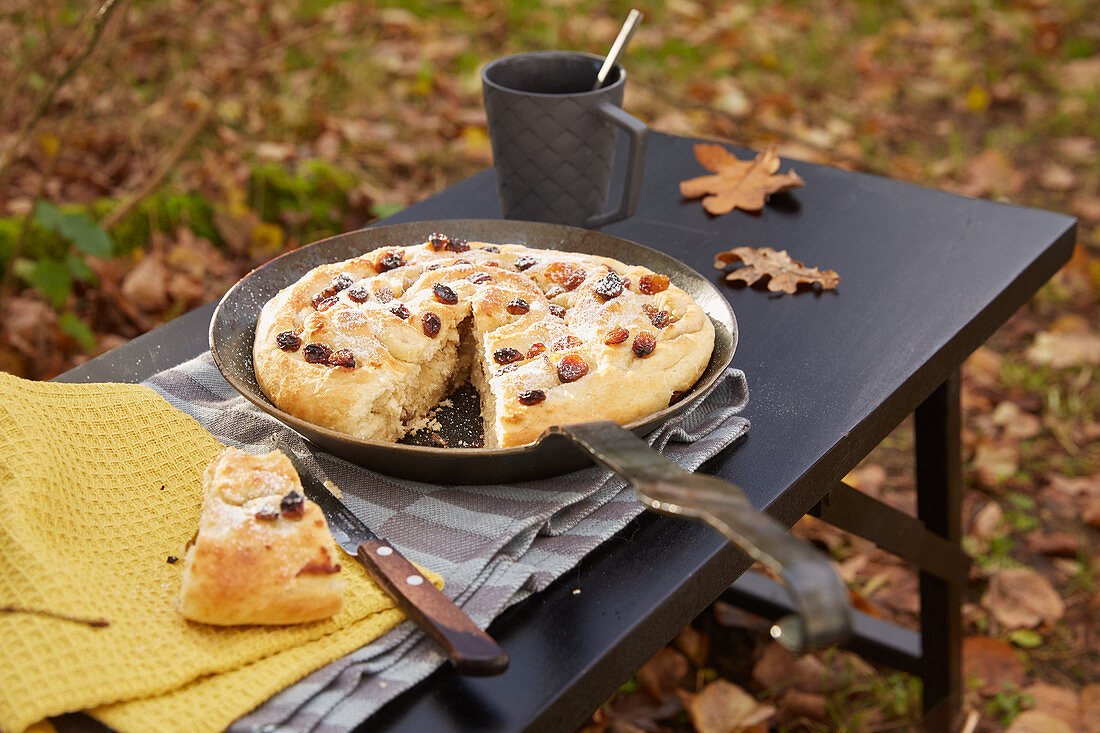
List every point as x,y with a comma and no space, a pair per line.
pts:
471,650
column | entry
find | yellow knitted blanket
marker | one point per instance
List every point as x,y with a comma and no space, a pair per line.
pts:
100,485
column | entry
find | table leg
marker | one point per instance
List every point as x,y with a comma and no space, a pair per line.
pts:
939,506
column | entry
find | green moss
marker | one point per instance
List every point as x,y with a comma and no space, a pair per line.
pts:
9,234
682,52
311,9
1024,376
1008,704
316,188
297,59
1021,521
1079,48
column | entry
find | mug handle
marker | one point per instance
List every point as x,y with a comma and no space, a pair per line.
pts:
635,164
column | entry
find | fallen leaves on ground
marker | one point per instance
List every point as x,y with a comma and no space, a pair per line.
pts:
988,522
896,588
1035,721
1090,707
1057,544
1056,177
795,707
1083,491
695,645
662,674
777,667
995,462
994,662
1061,350
1057,702
723,707
737,184
991,172
1015,423
1086,207
1020,598
146,286
781,273
29,325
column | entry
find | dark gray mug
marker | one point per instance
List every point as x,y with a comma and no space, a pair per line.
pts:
553,137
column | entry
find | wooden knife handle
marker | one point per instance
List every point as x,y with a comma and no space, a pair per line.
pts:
471,650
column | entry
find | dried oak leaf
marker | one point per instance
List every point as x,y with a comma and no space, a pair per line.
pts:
737,184
786,274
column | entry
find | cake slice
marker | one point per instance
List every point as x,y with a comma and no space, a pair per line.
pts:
263,553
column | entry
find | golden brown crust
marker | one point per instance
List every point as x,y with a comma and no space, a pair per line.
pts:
570,306
254,562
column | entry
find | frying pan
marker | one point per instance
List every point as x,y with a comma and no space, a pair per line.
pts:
661,485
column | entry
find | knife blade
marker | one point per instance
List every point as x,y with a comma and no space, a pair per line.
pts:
471,651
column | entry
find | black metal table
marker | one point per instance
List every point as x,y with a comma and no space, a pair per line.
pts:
927,277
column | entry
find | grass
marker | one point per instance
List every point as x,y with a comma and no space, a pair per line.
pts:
1008,704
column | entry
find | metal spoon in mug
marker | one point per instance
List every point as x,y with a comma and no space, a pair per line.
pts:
618,47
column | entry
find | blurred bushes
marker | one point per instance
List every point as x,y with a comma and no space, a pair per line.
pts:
164,211
317,190
312,200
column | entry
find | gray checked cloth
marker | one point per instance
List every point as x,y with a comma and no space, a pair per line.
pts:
493,545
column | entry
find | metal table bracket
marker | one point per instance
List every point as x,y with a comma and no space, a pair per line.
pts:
894,531
931,541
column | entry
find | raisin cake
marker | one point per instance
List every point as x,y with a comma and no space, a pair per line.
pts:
263,553
369,345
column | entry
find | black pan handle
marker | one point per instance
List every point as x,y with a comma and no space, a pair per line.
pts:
824,617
